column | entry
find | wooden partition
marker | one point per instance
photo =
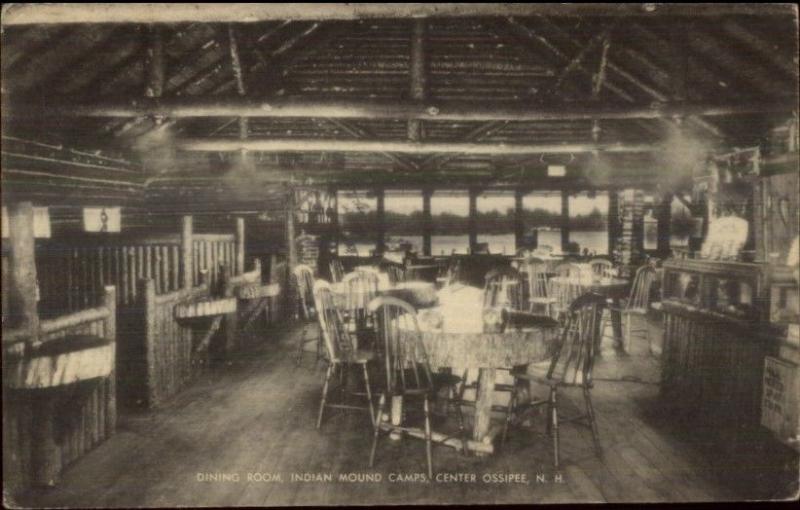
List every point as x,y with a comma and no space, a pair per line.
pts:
211,252
46,430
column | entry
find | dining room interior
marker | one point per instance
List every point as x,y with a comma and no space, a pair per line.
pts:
381,254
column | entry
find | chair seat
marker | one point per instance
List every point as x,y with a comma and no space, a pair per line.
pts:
537,372
444,379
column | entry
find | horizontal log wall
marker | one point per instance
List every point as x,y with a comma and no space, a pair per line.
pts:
85,413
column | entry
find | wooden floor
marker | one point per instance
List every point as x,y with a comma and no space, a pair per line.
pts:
254,418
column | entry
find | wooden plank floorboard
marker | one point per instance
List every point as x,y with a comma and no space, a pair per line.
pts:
257,414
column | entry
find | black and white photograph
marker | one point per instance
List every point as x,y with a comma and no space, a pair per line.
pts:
379,254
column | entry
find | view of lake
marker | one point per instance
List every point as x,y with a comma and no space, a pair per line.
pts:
594,241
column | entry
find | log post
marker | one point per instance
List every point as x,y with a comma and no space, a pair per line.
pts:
417,75
239,267
230,318
613,220
155,70
664,225
291,252
564,220
473,217
187,247
380,230
110,302
519,223
148,293
22,266
427,221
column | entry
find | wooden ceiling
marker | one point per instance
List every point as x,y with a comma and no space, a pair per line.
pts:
455,93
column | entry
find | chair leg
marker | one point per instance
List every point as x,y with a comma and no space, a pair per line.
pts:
628,338
592,421
378,418
369,394
461,428
324,394
319,346
554,417
302,344
428,452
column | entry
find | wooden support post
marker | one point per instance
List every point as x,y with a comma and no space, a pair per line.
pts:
291,252
236,65
472,224
664,225
519,223
147,289
427,221
335,221
155,70
380,230
613,220
240,247
564,220
230,318
22,265
110,302
187,247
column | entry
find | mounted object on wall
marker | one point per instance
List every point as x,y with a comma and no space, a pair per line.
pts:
101,219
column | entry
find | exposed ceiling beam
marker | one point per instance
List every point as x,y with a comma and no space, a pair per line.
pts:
25,14
183,107
359,133
317,145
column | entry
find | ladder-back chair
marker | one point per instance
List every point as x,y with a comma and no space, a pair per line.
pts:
571,366
408,374
637,304
341,351
503,287
304,283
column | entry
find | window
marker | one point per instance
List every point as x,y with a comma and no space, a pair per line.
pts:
680,224
403,219
541,211
588,221
495,221
357,222
450,217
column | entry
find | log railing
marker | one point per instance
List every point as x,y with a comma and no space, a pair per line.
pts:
46,430
256,306
211,251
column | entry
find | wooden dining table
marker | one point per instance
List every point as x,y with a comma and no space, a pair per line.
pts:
453,337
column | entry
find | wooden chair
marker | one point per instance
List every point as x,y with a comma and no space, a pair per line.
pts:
503,287
397,274
304,283
566,288
337,270
570,367
360,287
538,292
409,375
341,351
602,268
637,303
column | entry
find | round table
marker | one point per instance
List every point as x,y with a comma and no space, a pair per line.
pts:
453,336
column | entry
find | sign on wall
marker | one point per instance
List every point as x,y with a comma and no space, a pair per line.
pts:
101,219
41,222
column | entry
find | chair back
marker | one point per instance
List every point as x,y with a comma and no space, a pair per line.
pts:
396,273
503,287
304,280
406,362
639,298
337,270
537,277
580,341
566,287
602,268
360,287
337,340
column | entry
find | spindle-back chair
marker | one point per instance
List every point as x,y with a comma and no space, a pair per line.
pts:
637,304
360,287
337,270
503,287
571,366
408,372
342,352
602,268
304,283
538,291
565,287
397,274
